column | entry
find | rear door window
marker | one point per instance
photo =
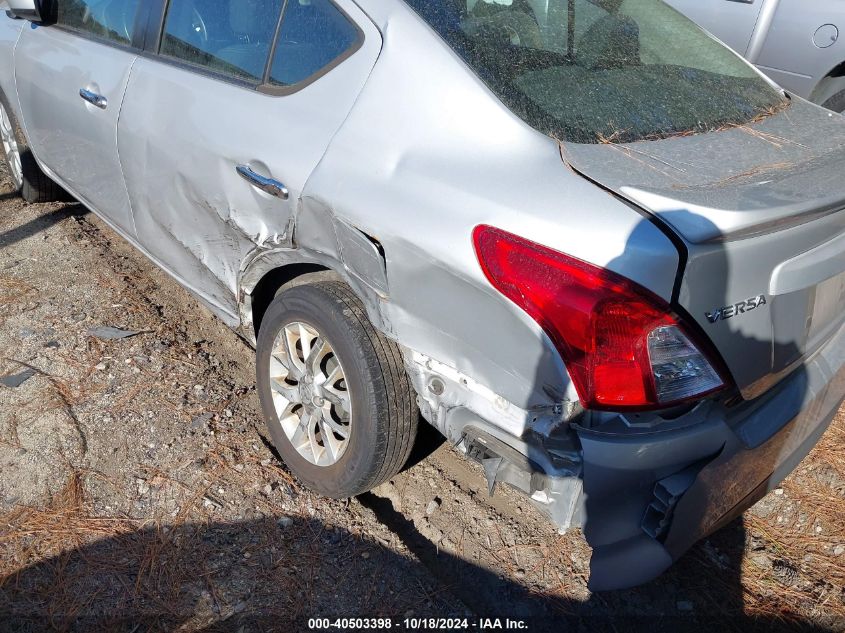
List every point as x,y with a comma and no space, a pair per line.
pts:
315,35
112,20
232,37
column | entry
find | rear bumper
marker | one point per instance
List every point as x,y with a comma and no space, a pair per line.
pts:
649,496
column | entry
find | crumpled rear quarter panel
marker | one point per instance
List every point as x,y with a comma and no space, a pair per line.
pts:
427,154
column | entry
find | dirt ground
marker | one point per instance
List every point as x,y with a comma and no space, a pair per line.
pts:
138,490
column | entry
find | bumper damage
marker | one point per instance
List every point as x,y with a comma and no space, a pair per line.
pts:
649,497
646,490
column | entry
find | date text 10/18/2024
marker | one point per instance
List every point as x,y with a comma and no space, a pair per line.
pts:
417,624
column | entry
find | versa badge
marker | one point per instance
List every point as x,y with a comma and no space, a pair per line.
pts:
742,307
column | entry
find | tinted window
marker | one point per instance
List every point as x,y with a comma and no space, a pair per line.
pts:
109,19
314,34
593,71
229,36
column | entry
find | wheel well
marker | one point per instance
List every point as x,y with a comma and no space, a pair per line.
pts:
839,71
280,279
829,86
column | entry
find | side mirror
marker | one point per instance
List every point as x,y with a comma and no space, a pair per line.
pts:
26,9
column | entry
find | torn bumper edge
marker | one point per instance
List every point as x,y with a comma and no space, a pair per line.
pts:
643,497
524,448
650,497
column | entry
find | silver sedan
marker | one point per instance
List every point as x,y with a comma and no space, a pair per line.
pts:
596,249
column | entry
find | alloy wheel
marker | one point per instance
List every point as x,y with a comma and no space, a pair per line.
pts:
310,394
10,148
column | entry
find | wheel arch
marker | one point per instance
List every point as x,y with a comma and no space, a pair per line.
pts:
838,71
273,272
823,89
276,280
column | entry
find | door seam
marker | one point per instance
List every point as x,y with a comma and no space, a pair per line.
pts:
117,146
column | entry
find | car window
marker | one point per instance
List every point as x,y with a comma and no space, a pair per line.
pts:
109,19
233,37
314,34
595,71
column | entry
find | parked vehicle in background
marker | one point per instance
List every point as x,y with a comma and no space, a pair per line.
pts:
591,245
800,44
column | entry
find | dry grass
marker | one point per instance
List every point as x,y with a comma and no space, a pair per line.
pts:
63,565
65,523
817,491
764,114
64,561
13,291
616,140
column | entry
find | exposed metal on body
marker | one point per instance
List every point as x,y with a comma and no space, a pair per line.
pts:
267,185
10,147
94,99
310,394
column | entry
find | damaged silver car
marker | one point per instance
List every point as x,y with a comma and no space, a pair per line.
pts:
596,249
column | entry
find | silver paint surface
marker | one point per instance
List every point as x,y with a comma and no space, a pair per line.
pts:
51,66
743,221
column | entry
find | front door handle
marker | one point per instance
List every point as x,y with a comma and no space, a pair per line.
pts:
94,99
267,185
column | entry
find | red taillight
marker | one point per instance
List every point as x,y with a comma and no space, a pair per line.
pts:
622,345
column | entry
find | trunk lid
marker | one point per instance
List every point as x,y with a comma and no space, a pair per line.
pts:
760,209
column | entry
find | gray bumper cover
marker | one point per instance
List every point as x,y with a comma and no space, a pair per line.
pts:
650,496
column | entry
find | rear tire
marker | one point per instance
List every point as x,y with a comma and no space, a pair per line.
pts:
327,328
836,102
29,181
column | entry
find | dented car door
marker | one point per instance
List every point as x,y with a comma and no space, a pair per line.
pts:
224,124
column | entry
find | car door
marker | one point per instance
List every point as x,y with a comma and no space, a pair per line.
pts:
732,21
71,77
225,120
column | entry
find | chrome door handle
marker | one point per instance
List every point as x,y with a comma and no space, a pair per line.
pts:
94,99
267,185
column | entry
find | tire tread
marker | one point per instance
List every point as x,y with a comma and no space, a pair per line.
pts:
401,411
387,395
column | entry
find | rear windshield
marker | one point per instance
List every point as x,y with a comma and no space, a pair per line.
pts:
594,71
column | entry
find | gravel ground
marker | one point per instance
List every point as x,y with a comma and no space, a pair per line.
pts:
139,491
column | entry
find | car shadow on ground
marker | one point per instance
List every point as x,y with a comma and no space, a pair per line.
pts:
274,574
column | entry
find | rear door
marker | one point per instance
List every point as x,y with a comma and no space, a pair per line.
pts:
71,78
224,120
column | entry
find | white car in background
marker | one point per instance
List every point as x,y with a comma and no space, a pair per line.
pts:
798,43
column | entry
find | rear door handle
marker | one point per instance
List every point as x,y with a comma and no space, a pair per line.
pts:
267,185
94,99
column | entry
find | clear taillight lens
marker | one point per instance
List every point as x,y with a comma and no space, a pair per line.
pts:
680,370
623,346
